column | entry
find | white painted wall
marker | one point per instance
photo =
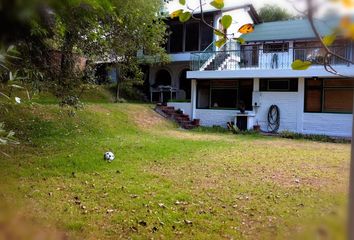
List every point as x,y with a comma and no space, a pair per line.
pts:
292,116
328,124
288,105
211,117
175,70
186,107
239,18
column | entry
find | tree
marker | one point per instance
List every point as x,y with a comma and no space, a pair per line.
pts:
271,13
54,34
139,28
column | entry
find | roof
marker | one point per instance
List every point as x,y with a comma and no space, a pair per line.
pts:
288,30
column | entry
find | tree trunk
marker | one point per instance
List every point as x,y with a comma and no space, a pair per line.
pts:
117,91
118,83
351,191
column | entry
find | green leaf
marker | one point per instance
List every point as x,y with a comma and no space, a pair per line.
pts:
240,40
219,43
184,17
300,65
182,2
176,13
329,39
226,21
217,4
219,33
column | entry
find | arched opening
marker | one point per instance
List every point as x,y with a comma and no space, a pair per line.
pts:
163,77
184,83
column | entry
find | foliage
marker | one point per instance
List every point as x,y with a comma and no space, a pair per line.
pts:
271,13
226,21
345,29
58,39
312,137
300,65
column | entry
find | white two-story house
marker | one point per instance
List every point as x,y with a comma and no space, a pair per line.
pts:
258,75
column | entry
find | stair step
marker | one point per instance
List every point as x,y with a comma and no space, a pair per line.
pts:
182,119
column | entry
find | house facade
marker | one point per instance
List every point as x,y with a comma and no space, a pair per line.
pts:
257,76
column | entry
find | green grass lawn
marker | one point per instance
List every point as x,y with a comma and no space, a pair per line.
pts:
165,183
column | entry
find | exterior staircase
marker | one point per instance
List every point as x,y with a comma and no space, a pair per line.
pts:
215,58
176,115
217,61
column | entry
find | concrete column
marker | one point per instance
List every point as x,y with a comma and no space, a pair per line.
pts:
256,85
300,107
291,54
193,98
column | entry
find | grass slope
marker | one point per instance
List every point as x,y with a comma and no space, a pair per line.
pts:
165,183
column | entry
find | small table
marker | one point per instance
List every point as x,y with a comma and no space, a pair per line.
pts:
245,121
161,90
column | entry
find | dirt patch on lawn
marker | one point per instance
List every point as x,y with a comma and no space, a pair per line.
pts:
99,109
19,226
145,117
189,135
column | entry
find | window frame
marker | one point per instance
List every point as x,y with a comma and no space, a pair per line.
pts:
290,87
236,88
322,89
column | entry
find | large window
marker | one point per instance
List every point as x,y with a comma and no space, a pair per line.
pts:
314,52
176,38
190,36
224,94
249,56
329,95
279,85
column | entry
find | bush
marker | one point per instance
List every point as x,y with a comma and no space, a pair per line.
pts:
312,137
213,129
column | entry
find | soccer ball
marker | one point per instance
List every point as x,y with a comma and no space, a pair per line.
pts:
108,156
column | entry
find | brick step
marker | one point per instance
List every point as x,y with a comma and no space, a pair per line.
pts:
182,119
171,112
189,126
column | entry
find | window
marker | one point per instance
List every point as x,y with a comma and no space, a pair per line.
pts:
249,56
329,95
176,38
279,85
206,34
275,47
313,95
203,94
192,37
189,36
224,94
314,52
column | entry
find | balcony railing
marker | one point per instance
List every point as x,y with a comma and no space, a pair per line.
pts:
230,59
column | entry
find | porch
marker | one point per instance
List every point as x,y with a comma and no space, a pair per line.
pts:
272,60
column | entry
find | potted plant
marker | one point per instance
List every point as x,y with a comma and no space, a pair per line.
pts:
257,127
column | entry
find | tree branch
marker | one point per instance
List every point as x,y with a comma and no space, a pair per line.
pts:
319,37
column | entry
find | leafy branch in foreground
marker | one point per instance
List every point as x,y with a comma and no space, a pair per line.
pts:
345,30
225,22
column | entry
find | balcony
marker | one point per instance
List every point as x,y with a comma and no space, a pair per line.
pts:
254,58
